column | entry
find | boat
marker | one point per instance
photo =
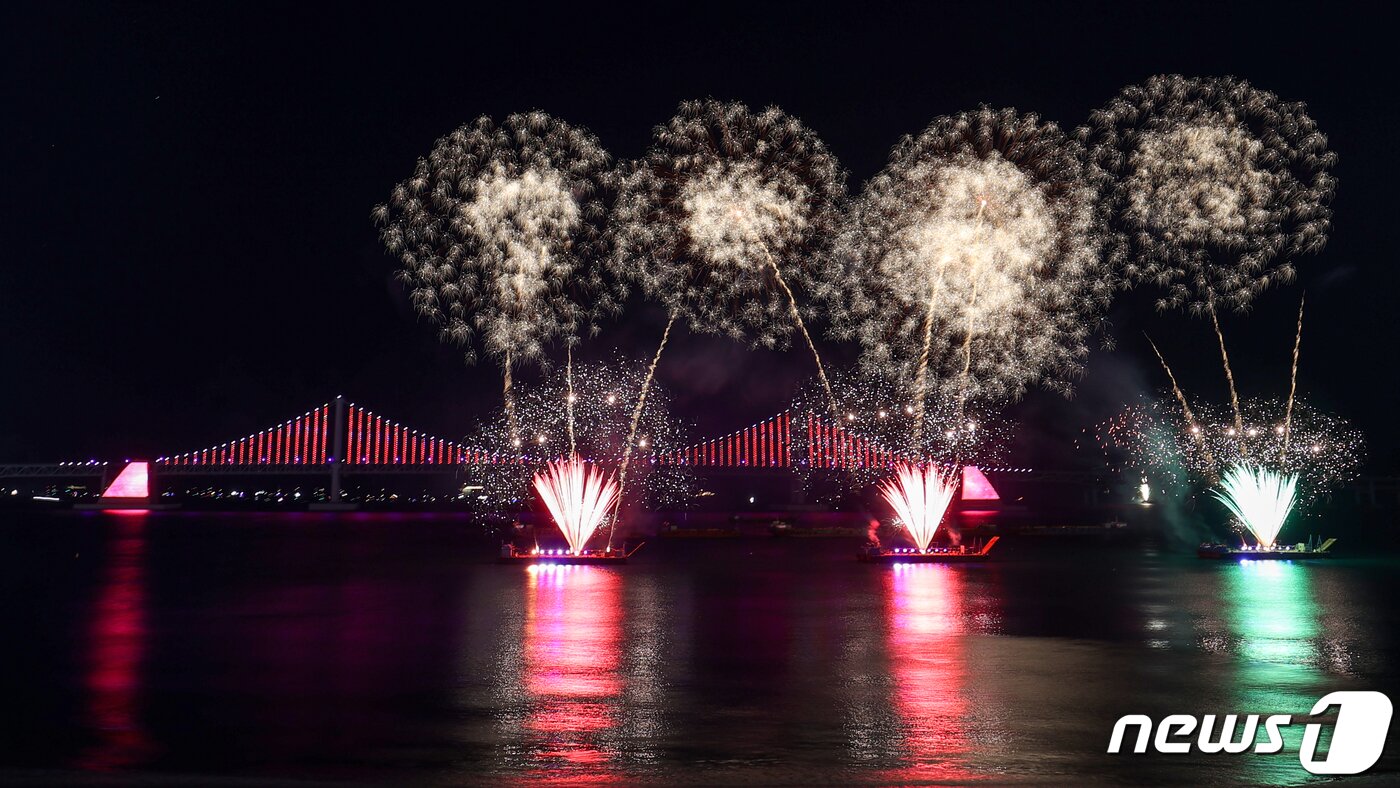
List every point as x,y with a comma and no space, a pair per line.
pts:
932,555
510,554
1298,552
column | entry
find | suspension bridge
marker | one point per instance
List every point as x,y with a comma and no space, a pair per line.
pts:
340,438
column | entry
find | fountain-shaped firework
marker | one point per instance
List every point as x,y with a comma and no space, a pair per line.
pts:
1259,498
578,496
920,495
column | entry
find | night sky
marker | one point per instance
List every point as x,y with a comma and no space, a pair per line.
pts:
189,256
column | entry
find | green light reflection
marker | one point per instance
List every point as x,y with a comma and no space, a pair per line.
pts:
1272,616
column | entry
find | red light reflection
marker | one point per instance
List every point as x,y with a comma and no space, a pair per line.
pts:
928,663
116,649
573,655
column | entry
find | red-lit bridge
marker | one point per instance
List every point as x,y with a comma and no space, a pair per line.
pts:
365,440
341,437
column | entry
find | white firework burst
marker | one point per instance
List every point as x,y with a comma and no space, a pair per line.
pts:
1320,451
498,232
720,219
1212,186
971,264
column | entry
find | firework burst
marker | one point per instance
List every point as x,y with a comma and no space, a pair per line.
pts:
1212,185
970,266
920,495
720,219
497,232
579,498
1259,499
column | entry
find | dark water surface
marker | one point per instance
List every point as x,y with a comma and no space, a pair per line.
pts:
387,648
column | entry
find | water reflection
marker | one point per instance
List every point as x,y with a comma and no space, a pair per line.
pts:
572,672
116,652
928,667
1272,615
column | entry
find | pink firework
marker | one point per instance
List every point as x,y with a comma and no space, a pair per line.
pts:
920,496
578,498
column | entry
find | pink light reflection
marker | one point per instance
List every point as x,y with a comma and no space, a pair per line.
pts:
573,662
116,650
928,663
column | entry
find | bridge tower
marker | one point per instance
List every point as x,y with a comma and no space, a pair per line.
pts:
337,448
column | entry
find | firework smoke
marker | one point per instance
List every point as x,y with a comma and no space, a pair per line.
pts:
577,496
1259,499
497,232
970,266
719,219
920,495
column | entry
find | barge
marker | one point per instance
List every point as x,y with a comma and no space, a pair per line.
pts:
1299,552
932,555
510,554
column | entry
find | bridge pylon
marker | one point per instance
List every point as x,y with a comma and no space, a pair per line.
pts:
337,448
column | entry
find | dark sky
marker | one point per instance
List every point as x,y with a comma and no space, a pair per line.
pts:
188,254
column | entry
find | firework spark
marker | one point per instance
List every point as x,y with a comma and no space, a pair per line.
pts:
1212,187
719,220
881,410
603,398
1260,499
1320,450
920,495
497,232
971,265
578,497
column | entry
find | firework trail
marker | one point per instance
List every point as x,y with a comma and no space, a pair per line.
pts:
1212,187
1191,424
569,399
718,221
1229,373
637,416
577,496
920,496
971,264
497,232
1259,499
1293,376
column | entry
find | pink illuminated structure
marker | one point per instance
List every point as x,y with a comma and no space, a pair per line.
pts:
976,487
132,482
